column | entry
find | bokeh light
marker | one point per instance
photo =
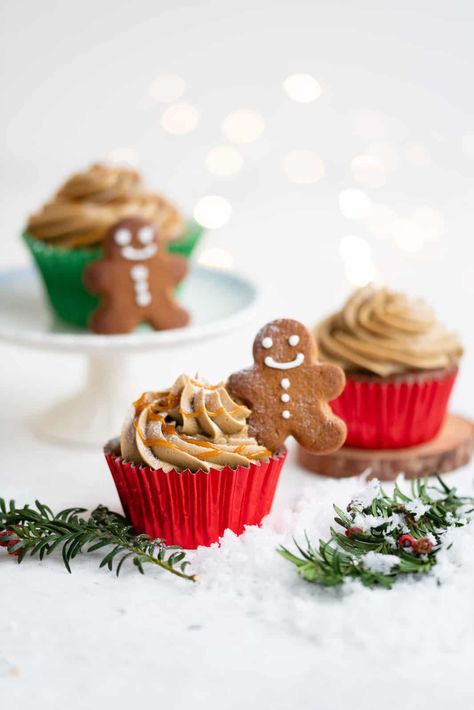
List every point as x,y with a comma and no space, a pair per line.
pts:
416,154
212,211
387,153
243,126
369,171
381,219
127,157
407,235
167,88
180,119
370,125
354,204
303,166
216,258
224,160
357,258
303,88
430,221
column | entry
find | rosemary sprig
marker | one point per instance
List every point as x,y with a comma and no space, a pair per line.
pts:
384,539
38,531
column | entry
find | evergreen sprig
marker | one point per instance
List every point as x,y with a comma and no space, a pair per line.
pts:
415,538
37,531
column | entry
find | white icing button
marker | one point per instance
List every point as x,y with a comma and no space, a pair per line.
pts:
286,414
139,272
285,397
143,299
141,286
267,343
294,340
285,383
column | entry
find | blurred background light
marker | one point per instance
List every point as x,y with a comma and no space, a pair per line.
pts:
212,211
387,153
217,258
354,204
224,160
303,88
180,119
370,125
430,222
167,88
407,235
357,258
123,156
381,219
303,166
243,126
416,154
369,171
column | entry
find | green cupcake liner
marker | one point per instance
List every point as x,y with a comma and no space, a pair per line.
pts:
62,269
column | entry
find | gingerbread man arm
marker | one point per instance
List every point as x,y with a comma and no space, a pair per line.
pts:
242,386
98,277
329,380
178,267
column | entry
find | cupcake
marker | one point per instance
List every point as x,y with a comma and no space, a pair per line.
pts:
186,468
400,367
195,459
68,232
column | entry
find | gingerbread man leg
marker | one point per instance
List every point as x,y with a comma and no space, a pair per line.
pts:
108,319
319,431
167,316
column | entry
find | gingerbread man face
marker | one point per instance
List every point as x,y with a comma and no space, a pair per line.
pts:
132,239
136,280
288,390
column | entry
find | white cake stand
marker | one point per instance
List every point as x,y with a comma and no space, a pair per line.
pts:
219,301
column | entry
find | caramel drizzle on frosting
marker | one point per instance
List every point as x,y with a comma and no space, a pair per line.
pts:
90,202
386,333
192,425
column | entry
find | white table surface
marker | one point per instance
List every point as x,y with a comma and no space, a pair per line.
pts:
73,88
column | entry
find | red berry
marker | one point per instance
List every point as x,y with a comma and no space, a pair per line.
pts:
406,541
8,543
353,531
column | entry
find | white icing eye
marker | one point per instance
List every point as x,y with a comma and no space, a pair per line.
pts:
267,343
146,234
122,237
294,340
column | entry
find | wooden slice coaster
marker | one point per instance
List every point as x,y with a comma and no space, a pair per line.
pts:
450,449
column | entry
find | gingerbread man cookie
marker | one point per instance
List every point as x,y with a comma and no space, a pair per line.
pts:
288,390
136,280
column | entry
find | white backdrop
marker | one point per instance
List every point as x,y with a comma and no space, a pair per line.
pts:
83,81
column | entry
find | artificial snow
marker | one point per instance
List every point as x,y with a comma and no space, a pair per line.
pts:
379,563
417,508
365,496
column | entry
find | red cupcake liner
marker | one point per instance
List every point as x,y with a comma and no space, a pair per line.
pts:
190,509
394,415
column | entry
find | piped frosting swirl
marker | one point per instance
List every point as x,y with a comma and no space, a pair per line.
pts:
89,202
192,426
386,333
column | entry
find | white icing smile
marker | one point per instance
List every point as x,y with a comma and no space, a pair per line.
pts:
296,362
134,254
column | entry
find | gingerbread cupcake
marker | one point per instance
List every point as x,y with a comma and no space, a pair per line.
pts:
400,366
194,460
68,232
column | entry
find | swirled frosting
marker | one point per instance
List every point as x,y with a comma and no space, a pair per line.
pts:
89,202
386,333
192,426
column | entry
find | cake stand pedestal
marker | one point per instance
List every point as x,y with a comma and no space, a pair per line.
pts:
450,449
219,301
